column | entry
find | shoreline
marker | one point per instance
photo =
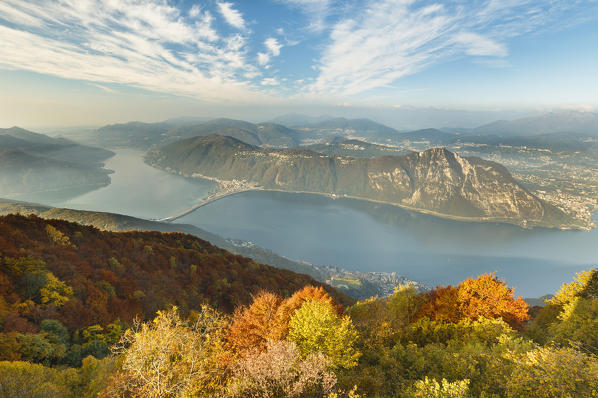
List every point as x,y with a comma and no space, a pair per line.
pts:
433,213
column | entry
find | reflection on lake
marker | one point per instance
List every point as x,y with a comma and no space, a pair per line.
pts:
365,236
139,190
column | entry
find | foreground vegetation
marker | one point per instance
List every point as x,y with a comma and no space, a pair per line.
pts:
472,340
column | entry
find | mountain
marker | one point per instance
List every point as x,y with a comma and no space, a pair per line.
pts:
262,134
24,173
299,120
99,276
339,146
435,181
431,136
363,129
556,142
357,125
146,135
554,122
132,134
62,149
365,284
32,162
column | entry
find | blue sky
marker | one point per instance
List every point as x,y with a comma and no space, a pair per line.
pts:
75,59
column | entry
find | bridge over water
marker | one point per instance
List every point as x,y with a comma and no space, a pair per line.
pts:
211,198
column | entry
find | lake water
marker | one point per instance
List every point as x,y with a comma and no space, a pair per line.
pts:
363,236
352,234
139,190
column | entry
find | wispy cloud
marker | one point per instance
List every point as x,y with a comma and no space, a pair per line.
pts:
270,81
389,39
273,46
316,11
102,87
263,59
476,44
146,44
231,15
272,50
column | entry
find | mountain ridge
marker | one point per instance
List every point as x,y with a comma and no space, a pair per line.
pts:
434,181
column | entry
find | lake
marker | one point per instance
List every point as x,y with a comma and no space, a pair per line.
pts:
352,234
139,190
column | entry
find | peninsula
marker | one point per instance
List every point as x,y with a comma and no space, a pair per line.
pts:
435,181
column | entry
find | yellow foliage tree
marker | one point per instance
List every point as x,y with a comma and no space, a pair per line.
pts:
169,358
317,327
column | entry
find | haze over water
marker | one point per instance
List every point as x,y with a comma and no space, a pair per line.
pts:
352,234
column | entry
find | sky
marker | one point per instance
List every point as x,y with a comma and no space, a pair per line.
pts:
91,62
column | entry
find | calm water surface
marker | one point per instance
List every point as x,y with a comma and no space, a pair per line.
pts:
139,190
363,236
352,234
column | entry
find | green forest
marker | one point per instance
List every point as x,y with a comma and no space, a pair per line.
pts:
91,313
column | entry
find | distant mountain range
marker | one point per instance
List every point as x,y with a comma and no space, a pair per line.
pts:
435,181
297,119
554,122
32,162
339,146
293,130
146,135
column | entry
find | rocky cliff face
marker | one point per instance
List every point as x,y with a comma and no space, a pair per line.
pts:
436,181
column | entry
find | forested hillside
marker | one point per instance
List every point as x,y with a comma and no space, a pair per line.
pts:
472,340
92,281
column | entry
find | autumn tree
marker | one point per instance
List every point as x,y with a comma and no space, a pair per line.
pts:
553,372
487,296
288,307
574,313
317,327
253,326
441,304
431,388
169,358
280,371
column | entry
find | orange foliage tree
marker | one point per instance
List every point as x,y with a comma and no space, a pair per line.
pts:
441,304
485,296
267,318
252,327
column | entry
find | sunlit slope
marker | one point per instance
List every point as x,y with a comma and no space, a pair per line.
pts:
435,181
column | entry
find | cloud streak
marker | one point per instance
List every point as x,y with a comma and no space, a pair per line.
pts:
272,50
232,16
145,44
389,39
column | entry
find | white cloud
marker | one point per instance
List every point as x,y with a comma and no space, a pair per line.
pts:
387,39
270,81
146,44
272,50
102,87
263,58
316,11
273,46
476,44
231,16
195,11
